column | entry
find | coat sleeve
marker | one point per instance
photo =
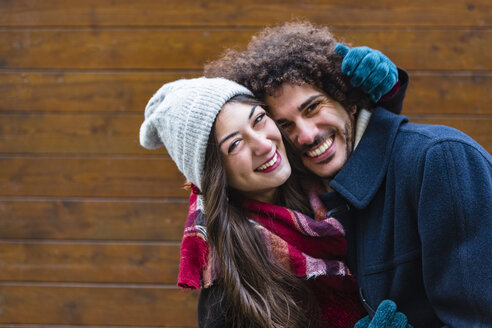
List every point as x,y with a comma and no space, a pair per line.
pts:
455,227
211,312
393,101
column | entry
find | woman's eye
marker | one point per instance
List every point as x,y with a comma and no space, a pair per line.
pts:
233,146
259,118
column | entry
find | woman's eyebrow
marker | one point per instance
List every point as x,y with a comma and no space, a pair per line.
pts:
230,135
252,111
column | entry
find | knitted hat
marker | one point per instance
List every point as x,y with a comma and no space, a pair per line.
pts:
180,116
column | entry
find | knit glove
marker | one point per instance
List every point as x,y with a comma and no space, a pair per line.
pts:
369,69
385,317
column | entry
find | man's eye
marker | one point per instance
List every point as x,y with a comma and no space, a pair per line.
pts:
312,107
284,125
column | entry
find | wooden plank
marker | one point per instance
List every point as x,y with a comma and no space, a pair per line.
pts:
82,91
90,177
250,13
92,305
66,326
428,93
89,262
73,133
82,219
118,134
449,93
115,48
414,49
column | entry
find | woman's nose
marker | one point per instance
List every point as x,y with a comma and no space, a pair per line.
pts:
261,145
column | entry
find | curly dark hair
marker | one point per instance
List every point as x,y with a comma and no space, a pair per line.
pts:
295,52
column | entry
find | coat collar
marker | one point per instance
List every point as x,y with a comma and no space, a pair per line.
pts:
362,175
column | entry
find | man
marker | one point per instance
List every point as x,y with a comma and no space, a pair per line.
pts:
420,196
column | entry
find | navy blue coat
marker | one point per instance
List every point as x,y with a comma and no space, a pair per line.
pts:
420,224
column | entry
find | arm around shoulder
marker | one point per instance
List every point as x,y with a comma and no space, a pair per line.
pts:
393,100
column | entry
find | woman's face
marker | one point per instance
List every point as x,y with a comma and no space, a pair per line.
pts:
252,150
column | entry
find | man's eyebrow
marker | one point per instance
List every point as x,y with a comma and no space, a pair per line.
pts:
308,101
230,135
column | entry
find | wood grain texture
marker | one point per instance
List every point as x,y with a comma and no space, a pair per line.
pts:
124,92
118,134
413,49
90,222
97,305
73,133
241,13
90,91
93,219
123,262
90,177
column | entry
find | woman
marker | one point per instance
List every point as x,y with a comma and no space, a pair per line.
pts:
263,264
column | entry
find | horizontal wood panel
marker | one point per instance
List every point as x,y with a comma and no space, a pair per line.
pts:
428,93
89,262
118,134
249,13
65,326
413,49
92,219
73,133
82,91
90,177
447,94
115,49
151,306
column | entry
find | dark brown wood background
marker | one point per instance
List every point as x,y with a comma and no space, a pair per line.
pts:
90,222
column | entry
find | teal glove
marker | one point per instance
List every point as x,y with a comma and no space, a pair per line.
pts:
369,69
385,317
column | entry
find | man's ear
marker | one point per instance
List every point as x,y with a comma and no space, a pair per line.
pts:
352,110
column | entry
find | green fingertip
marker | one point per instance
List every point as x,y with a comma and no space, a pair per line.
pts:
341,49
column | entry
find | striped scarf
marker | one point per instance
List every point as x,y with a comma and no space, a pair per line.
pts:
311,249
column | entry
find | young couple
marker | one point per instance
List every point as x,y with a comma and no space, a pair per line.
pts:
282,220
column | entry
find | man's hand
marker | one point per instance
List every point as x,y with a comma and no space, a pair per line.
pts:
385,317
369,69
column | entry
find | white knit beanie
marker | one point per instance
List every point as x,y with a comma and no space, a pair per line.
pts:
180,116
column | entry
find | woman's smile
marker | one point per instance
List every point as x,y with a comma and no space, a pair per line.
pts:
271,164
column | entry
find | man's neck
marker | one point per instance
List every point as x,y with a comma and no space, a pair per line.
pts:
360,127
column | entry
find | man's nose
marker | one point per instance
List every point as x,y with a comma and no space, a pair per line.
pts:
306,132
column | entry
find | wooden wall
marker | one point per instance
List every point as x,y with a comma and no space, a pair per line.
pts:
90,222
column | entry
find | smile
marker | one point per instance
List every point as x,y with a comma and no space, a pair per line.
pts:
271,164
321,149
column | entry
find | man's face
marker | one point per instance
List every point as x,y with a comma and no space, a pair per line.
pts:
318,126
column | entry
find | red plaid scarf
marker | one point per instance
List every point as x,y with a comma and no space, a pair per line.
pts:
312,249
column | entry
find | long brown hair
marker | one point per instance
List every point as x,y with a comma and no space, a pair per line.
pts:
256,291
